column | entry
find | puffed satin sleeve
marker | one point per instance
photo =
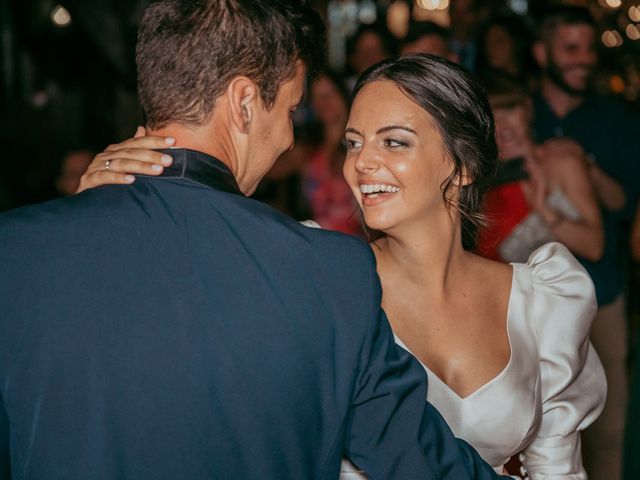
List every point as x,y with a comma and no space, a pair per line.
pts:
573,384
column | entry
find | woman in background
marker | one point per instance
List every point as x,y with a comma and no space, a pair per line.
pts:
420,146
324,187
504,45
541,193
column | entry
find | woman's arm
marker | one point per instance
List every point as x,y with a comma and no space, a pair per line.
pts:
572,381
584,237
118,163
608,191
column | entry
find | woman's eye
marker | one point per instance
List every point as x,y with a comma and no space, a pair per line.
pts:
351,144
392,143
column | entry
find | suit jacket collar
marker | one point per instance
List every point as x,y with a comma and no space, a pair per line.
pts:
200,168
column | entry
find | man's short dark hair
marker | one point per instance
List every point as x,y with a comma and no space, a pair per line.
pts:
554,17
189,50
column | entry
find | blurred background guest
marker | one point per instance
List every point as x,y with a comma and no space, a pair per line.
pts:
332,203
542,192
466,17
631,459
73,166
369,45
610,135
504,44
631,467
428,37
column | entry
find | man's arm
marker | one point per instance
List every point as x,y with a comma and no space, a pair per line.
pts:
5,467
392,431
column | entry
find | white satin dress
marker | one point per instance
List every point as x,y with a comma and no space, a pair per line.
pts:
553,385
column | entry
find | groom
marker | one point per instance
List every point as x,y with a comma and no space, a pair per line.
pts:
176,329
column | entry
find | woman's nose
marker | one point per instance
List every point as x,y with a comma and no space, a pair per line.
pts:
366,162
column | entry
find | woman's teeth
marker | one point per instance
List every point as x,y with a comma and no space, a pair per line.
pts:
368,189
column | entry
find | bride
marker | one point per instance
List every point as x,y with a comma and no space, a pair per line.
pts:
506,347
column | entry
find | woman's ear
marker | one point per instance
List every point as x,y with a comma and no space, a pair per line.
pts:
243,100
464,178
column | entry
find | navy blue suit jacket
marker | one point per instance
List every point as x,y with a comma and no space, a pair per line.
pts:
175,329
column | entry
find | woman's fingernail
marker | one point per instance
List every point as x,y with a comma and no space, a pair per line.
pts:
130,178
157,168
167,160
170,140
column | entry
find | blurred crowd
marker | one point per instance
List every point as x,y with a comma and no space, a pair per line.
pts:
568,170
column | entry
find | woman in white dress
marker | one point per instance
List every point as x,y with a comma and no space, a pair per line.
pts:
506,347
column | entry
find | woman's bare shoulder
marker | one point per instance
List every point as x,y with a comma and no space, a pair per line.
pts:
491,274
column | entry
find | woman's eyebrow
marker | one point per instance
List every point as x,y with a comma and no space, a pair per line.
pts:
383,129
395,127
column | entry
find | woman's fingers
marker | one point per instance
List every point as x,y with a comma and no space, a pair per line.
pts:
139,154
143,142
121,168
119,161
133,166
104,177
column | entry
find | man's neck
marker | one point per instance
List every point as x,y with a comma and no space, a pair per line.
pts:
197,139
561,102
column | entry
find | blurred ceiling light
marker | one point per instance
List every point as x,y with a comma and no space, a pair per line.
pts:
634,14
433,4
60,16
632,32
612,38
614,3
617,84
368,13
520,7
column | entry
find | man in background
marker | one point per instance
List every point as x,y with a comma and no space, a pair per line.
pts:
609,134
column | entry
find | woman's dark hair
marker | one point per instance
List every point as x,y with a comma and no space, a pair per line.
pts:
457,103
189,50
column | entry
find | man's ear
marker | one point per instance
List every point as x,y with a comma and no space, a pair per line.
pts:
243,99
539,51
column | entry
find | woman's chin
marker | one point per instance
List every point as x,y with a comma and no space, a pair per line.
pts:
379,224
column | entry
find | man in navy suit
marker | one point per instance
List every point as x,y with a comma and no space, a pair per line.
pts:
175,329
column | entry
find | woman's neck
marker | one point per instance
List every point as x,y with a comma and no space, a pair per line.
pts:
428,256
